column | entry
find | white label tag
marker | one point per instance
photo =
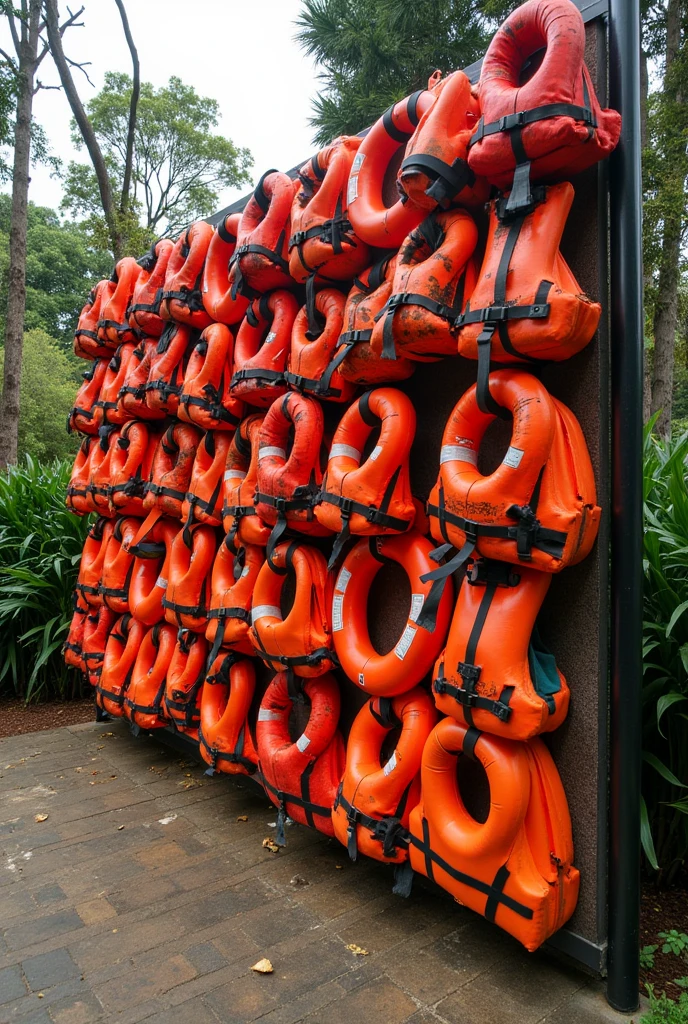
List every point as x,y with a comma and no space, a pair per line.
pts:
391,764
262,611
358,163
513,457
343,580
161,582
245,571
234,474
303,743
457,452
352,191
401,649
377,450
347,450
416,605
265,715
337,618
361,679
271,450
271,337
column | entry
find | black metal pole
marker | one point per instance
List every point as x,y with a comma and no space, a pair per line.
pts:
626,287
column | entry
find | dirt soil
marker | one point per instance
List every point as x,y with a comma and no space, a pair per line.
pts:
16,718
660,911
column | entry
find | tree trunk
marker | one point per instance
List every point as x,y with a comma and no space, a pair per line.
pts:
85,127
136,89
16,302
666,307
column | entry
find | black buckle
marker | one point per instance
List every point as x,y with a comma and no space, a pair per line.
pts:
510,121
440,685
501,711
470,675
281,504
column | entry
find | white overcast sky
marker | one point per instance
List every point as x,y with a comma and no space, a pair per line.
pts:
240,53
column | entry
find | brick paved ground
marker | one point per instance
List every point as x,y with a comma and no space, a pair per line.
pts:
161,919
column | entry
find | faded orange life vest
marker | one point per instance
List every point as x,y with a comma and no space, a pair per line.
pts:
181,298
152,550
118,565
77,489
187,596
235,571
87,345
259,262
72,648
203,500
322,240
171,469
216,287
262,349
239,516
113,325
167,368
314,358
121,650
515,867
144,308
82,415
97,629
224,735
108,408
131,461
131,401
144,703
205,399
185,677
301,777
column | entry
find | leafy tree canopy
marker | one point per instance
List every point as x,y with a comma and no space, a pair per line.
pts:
61,267
179,164
374,52
48,384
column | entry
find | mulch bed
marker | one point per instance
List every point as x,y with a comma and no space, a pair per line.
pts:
16,718
660,911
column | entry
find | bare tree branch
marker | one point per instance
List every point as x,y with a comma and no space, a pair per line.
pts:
85,126
81,67
71,22
15,37
126,180
39,85
10,60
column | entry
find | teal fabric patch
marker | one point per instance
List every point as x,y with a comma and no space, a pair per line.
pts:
543,670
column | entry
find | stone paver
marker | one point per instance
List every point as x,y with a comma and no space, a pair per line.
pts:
144,896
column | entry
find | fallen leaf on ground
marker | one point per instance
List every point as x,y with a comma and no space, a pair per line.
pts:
41,817
338,867
106,734
120,827
270,845
263,967
243,817
298,880
356,950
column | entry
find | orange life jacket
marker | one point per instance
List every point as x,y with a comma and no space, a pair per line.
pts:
152,550
81,416
552,124
368,295
527,305
131,461
322,240
288,485
144,700
167,368
99,471
72,648
423,636
203,500
77,489
539,506
181,298
374,497
372,220
107,408
301,777
515,867
144,308
434,273
187,596
97,629
378,790
113,325
92,558
234,576
435,171
262,349
121,650
224,735
302,641
86,342
185,677
205,399
132,395
239,516
118,565
313,366
171,469
495,674
216,287
259,262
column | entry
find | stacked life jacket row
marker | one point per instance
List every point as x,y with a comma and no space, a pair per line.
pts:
218,490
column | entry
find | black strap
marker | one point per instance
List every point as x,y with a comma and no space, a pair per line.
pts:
388,831
224,234
448,179
298,801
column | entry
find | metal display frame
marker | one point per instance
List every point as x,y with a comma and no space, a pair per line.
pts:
620,218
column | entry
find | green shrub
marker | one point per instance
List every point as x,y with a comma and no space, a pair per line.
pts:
40,547
665,653
665,1011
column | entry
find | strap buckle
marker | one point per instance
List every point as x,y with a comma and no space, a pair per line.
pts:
490,313
510,121
281,505
470,675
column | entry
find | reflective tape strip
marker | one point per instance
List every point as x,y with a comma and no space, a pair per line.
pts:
416,605
161,582
391,764
377,450
347,450
402,648
271,450
343,580
303,743
513,457
262,611
337,617
457,453
265,715
234,474
352,190
271,337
